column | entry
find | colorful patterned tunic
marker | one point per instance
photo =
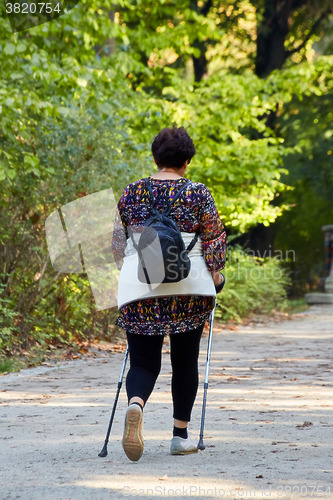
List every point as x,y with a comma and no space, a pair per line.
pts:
195,210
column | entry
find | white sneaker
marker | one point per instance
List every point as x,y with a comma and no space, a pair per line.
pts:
132,438
181,446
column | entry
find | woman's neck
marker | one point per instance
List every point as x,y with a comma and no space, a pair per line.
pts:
168,173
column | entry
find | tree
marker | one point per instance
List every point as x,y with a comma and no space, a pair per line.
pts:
280,22
74,115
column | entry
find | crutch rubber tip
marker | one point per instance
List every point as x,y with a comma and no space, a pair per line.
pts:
201,446
103,452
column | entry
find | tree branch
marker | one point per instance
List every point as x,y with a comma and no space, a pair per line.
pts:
288,53
296,4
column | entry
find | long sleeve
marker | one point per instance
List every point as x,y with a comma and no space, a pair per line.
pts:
119,238
212,232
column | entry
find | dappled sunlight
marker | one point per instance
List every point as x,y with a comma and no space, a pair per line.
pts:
169,486
268,424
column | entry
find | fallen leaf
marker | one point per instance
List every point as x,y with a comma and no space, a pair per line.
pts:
305,424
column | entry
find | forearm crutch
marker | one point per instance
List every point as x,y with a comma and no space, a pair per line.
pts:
104,451
201,446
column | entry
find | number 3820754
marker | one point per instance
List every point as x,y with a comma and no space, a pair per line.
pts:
32,8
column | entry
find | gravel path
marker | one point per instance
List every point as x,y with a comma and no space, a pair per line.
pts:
268,430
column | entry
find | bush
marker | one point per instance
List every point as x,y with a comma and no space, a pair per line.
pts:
8,321
253,285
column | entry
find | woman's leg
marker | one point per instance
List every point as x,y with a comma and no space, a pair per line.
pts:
184,351
145,364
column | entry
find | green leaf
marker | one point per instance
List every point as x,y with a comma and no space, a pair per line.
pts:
9,101
21,47
17,76
11,173
9,48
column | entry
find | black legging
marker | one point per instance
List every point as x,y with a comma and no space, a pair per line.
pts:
145,360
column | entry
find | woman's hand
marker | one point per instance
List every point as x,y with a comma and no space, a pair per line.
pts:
219,280
217,277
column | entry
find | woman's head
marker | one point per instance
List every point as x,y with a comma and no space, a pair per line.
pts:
172,147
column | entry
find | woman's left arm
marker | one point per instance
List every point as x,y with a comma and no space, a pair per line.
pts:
213,236
119,237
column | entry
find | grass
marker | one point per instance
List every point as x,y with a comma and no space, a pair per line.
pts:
295,306
35,357
6,365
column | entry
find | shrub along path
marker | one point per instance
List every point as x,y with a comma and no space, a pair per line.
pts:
269,430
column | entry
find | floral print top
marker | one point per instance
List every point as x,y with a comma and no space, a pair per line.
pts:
194,211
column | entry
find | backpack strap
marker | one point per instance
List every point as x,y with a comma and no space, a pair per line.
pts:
151,195
177,195
140,258
196,236
168,210
148,186
133,240
193,242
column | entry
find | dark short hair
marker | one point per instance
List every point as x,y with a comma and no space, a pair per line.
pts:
172,147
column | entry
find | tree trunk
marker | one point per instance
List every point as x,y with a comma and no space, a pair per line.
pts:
200,64
271,35
271,54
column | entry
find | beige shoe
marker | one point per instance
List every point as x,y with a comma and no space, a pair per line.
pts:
132,438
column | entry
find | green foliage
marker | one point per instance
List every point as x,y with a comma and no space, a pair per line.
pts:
241,167
299,229
308,125
253,285
62,136
81,99
8,321
6,365
296,306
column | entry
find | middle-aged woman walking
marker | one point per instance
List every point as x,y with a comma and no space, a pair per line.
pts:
180,309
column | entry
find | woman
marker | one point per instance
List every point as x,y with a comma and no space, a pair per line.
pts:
178,309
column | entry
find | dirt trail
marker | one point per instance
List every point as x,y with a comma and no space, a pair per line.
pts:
268,431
